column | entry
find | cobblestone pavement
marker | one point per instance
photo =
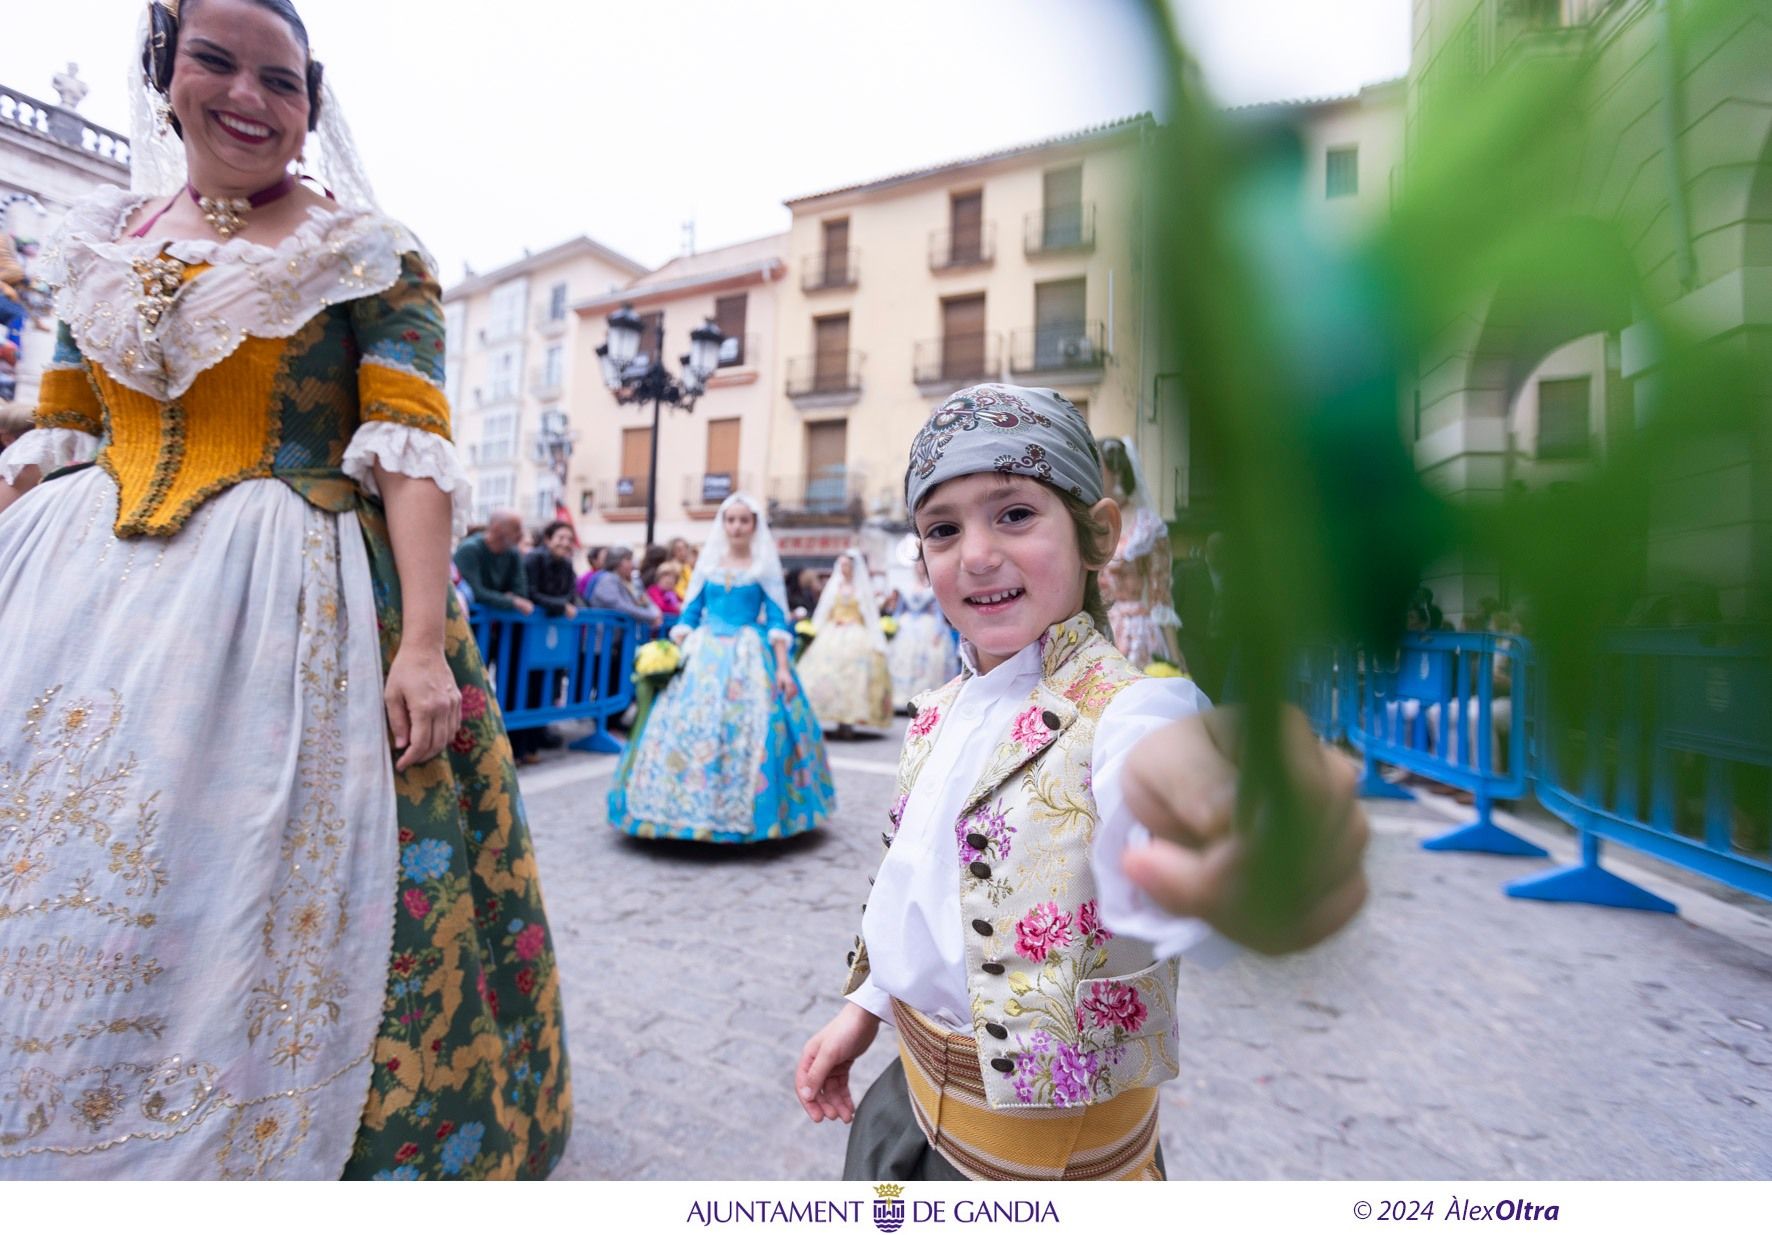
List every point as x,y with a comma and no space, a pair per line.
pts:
1448,1033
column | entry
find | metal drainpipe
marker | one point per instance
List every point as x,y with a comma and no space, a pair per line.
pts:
1672,119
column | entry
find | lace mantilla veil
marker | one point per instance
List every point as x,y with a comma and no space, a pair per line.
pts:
765,566
157,160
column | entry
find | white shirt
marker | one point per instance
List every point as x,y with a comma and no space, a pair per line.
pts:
916,949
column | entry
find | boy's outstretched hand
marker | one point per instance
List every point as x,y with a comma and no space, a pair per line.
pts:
1181,783
821,1082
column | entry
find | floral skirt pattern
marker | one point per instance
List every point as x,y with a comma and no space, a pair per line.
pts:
847,682
723,757
1137,634
471,1078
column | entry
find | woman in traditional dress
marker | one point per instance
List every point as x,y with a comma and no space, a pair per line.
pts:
923,654
730,753
269,905
1140,609
847,681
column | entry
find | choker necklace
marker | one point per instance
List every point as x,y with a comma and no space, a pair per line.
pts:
228,214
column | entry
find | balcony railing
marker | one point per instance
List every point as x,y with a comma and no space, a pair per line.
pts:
621,493
712,488
1069,347
545,385
958,250
829,495
739,350
829,269
64,127
1061,229
494,453
957,359
827,373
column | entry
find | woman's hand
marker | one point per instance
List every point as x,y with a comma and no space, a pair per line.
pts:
571,611
424,704
1181,783
785,686
821,1082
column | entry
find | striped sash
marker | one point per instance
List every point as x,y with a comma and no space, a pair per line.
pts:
1116,1139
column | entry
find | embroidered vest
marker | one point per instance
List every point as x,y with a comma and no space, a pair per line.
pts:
1064,1014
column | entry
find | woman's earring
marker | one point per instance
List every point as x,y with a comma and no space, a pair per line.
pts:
162,116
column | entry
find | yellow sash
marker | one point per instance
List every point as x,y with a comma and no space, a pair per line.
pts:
1116,1139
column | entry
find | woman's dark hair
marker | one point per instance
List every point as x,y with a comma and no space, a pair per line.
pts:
655,556
547,533
161,50
1118,463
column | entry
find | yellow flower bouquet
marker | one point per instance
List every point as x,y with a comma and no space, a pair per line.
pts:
658,659
889,626
1164,669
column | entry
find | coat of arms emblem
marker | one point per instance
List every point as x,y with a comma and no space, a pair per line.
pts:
888,1207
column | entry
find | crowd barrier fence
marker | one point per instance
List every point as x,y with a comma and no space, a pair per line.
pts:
547,669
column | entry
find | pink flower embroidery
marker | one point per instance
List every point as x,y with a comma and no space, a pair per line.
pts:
925,723
473,702
417,903
1044,928
1116,1004
529,941
1090,927
1029,729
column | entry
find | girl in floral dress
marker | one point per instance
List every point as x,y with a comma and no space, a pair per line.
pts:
1023,930
921,655
1140,613
847,681
730,753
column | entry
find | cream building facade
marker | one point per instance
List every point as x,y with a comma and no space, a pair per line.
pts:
509,370
721,445
1684,174
1022,265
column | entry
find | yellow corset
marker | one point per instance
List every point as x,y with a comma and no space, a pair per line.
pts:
846,611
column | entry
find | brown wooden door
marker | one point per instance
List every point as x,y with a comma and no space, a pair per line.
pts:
729,316
636,463
1059,324
836,252
827,449
720,480
830,345
1063,194
966,221
962,338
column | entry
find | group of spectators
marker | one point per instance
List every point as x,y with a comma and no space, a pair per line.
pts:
502,566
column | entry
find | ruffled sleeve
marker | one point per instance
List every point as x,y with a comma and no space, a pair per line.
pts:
1138,711
47,450
400,333
410,452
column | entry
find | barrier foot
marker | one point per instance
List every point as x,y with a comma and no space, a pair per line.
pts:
1482,836
1372,785
599,742
1588,885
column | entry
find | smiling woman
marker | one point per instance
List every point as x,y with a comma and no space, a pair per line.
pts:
267,837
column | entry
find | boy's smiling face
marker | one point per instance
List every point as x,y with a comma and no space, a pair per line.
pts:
1002,555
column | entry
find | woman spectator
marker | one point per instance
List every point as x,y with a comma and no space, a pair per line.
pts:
549,569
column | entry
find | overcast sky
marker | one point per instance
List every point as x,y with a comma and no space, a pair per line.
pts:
489,127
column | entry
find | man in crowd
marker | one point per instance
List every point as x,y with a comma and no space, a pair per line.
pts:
492,566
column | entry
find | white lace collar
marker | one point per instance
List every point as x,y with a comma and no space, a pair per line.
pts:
253,290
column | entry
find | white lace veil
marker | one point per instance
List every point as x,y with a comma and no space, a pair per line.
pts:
1140,525
765,567
157,160
862,587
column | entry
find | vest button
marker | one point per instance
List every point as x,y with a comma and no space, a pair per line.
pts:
1003,1065
982,927
911,710
850,961
991,967
979,841
980,870
1049,719
996,1031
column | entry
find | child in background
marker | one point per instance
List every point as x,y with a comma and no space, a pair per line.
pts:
1023,930
663,592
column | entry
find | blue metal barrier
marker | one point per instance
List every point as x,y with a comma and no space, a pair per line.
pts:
1437,714
546,669
1674,722
1319,689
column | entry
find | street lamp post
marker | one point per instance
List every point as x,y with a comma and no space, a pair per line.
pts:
633,378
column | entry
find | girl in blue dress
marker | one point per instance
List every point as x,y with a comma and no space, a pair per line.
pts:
731,752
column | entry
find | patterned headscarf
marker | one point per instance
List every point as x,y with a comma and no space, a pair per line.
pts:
1020,430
